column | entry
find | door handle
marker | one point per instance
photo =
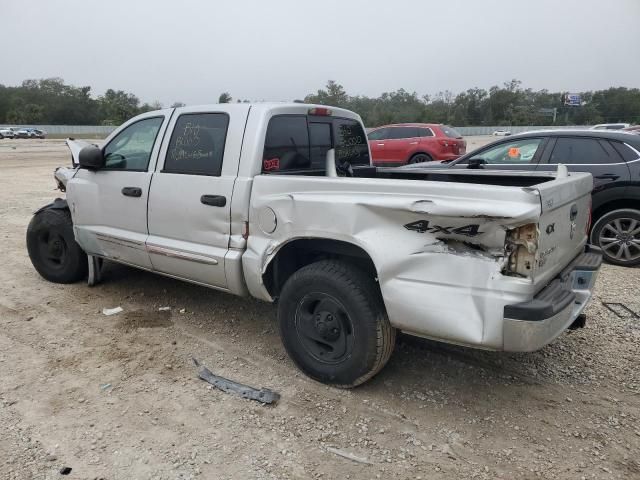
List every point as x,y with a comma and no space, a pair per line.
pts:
132,191
608,176
380,144
214,200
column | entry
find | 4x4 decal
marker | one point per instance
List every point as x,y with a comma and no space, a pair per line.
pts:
423,226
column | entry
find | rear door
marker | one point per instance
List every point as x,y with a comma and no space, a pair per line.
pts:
190,195
109,205
593,155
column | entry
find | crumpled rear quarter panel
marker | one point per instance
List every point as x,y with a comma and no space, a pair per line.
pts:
439,279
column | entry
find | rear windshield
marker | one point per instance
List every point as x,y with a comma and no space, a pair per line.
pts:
300,142
450,131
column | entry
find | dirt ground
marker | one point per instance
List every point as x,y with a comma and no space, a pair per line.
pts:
116,397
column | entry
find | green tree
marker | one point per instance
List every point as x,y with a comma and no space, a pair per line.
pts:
116,106
333,94
225,97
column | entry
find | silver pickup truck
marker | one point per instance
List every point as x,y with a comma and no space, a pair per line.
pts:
280,201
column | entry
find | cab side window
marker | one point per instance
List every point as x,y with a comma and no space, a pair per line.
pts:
197,144
580,151
131,148
509,153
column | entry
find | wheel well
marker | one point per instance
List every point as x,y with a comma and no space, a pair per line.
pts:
299,253
614,205
421,153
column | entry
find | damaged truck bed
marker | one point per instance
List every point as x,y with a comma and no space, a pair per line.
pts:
280,202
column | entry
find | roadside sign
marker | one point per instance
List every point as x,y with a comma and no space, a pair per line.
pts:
571,99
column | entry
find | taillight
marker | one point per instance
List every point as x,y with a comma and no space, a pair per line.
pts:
521,246
446,144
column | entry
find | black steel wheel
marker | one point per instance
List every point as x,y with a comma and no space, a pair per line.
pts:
617,233
333,323
52,248
324,328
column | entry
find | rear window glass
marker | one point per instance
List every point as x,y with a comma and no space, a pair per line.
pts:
295,142
320,136
425,132
350,142
286,146
450,131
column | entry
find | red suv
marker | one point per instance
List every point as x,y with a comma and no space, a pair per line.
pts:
399,144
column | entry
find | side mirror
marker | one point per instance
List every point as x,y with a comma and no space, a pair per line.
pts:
476,163
91,157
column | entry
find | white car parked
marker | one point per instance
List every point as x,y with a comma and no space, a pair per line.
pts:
501,133
6,132
610,126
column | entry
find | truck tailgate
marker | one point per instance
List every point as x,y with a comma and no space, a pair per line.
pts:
563,225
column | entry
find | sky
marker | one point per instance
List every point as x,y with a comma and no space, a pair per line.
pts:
192,50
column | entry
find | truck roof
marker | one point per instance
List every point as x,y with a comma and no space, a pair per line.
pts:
264,107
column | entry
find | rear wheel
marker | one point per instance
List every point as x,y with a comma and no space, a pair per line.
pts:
52,247
333,323
617,233
420,157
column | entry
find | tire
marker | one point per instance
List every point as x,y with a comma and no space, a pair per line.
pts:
347,338
420,157
52,248
617,233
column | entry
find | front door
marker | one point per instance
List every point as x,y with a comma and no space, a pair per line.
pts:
109,205
190,195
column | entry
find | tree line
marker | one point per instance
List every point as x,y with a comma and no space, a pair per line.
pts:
51,101
509,104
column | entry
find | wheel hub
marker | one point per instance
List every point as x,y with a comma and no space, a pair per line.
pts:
324,328
327,326
620,239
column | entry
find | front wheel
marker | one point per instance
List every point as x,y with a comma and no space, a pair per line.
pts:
52,247
333,323
617,233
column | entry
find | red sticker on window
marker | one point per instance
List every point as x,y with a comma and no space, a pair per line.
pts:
271,164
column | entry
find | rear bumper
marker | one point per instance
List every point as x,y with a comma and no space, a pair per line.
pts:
531,325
